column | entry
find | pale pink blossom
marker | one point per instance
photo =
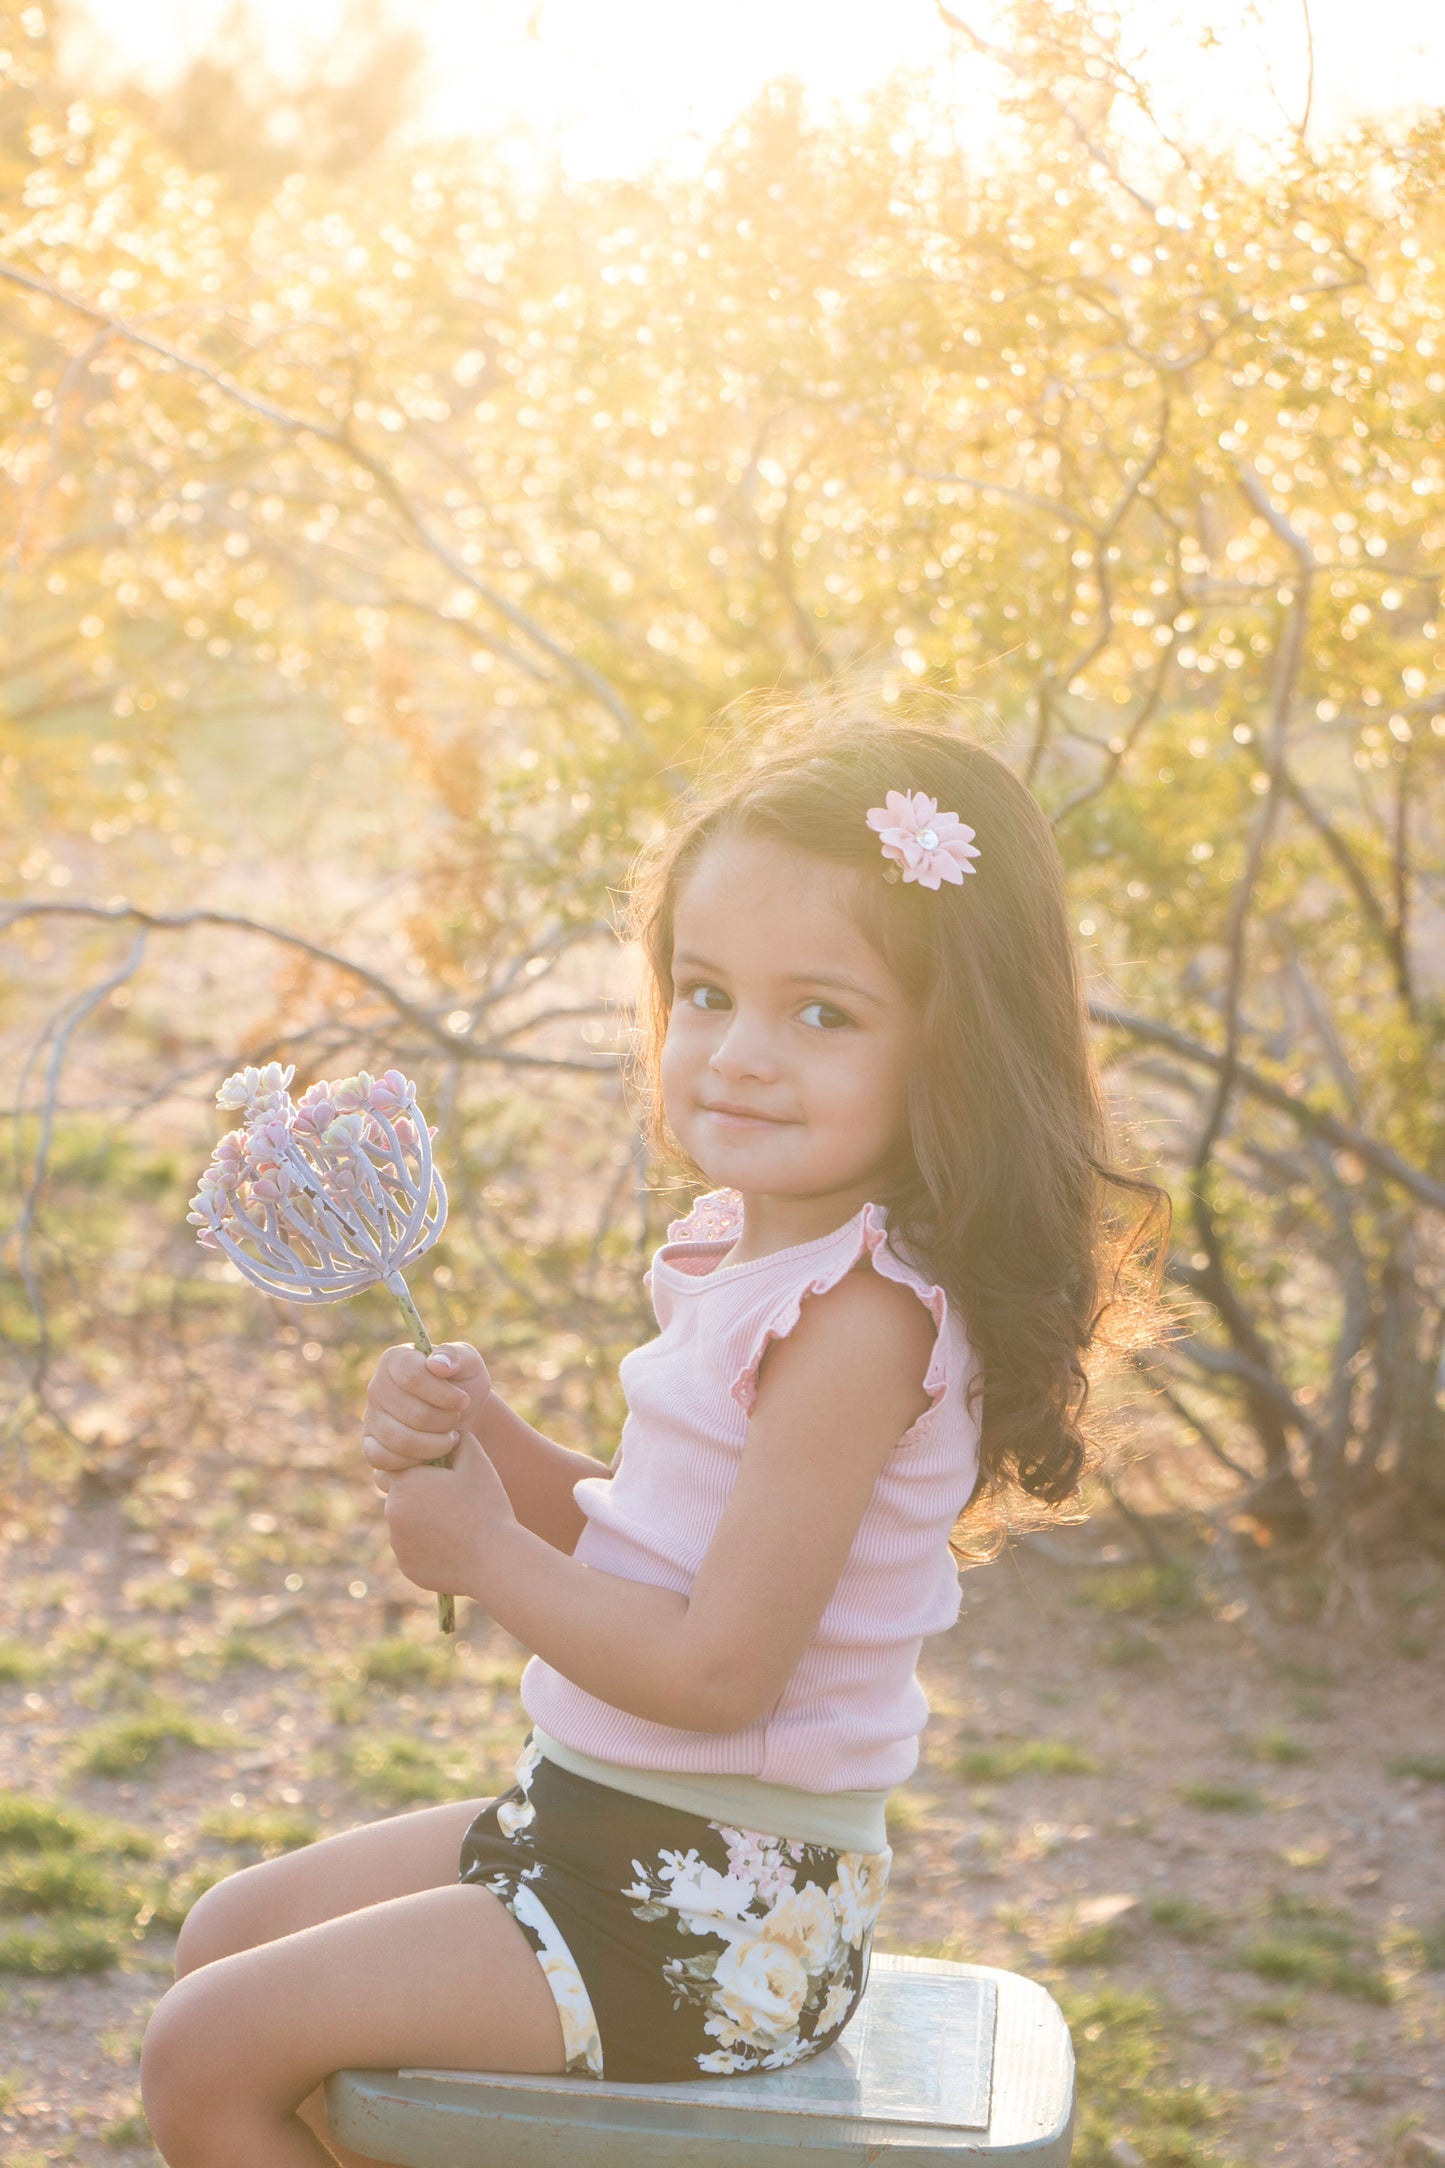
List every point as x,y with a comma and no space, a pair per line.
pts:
931,847
346,1129
316,1201
351,1092
392,1094
315,1109
257,1090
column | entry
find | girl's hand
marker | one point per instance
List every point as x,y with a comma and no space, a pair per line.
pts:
443,1524
417,1406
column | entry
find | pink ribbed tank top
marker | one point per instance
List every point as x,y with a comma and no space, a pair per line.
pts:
850,1715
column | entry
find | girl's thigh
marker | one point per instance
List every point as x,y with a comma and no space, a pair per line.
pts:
442,1979
399,1857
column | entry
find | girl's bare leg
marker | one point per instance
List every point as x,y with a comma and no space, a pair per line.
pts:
394,1858
443,1977
398,1857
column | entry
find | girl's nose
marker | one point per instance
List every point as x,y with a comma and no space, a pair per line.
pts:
744,1050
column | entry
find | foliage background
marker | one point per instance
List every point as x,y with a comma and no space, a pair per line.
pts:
386,535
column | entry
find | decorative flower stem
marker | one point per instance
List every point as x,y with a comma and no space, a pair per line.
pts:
420,1339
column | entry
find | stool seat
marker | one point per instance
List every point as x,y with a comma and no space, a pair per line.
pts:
942,2064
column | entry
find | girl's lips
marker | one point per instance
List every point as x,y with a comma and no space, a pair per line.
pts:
743,1117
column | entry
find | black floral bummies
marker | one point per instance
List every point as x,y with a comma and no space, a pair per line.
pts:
675,1947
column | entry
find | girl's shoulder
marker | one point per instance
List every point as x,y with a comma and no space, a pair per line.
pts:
765,1298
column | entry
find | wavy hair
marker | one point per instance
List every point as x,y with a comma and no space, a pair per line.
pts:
1007,1194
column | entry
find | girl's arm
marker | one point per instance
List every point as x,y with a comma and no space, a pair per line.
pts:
415,1402
538,1475
834,1398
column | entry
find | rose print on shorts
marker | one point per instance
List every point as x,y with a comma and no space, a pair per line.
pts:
793,1948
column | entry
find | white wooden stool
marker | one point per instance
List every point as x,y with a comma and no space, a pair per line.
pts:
943,2064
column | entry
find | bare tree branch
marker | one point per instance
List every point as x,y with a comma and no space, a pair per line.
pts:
64,1026
1318,1120
997,54
1359,881
341,439
436,1033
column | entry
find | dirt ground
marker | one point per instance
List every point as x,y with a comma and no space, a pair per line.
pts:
1205,1808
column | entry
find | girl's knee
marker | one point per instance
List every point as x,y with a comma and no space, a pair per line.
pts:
177,2069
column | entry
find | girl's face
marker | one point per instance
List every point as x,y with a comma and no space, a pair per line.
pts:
786,1063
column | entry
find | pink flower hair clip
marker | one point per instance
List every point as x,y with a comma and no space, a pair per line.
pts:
928,846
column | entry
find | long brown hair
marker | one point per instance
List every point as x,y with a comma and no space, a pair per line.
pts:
1008,1195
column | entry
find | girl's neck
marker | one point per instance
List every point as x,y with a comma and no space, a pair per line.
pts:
772,1223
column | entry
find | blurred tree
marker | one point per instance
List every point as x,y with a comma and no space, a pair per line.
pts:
422,493
232,114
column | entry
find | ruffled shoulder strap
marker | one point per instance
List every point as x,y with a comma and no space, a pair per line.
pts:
716,1217
862,1243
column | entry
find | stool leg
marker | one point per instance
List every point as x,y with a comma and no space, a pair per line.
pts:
312,2112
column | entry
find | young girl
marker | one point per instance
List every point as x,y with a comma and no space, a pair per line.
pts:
865,1031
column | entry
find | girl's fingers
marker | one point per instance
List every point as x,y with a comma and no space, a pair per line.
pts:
397,1435
396,1449
380,1458
409,1369
415,1413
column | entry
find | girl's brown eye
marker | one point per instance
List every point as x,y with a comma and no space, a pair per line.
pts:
825,1015
706,997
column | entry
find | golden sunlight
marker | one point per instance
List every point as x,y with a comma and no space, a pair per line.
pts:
619,88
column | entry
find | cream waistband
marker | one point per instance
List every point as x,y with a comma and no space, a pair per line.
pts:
844,1821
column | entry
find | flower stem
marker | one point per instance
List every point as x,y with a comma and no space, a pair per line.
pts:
420,1339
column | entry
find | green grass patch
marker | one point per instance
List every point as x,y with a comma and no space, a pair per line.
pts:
1429,1766
114,1684
1098,1942
1222,1798
127,2130
1170,1591
1432,1947
399,1770
19,1663
907,1813
348,1702
1281,2010
61,1882
129,1645
267,1830
140,1743
238,1648
1315,1945
1289,1904
166,1593
39,1825
61,1946
1308,1960
1135,1647
1280,1748
1126,2084
11,2085
1184,1917
398,1662
1008,1758
170,1904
